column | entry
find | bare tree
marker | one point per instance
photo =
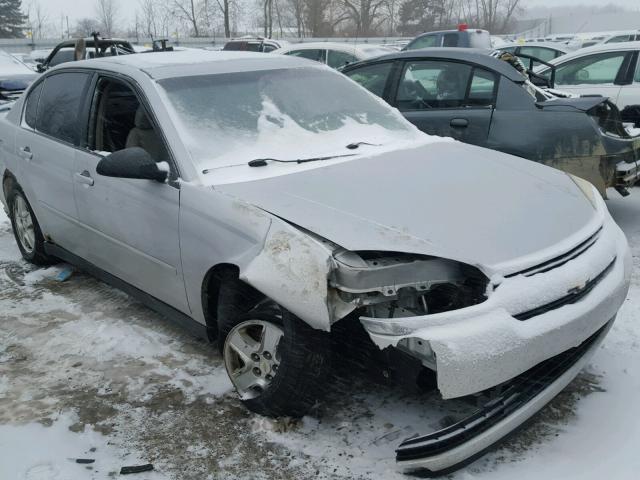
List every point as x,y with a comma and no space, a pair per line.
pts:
107,11
365,14
86,26
188,10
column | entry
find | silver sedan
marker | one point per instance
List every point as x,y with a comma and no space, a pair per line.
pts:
265,200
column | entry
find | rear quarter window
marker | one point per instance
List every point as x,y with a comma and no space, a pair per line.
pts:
31,107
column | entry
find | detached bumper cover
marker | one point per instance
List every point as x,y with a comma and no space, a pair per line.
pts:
446,450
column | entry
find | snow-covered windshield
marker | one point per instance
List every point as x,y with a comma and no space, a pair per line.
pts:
232,118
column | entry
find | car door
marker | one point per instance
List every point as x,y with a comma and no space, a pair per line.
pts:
594,74
630,91
130,227
46,145
452,99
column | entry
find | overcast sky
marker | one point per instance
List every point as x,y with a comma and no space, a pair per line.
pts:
86,8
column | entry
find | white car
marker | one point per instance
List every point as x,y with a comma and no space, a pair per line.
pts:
334,54
611,70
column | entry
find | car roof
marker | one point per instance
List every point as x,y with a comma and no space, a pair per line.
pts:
549,45
324,45
159,65
601,47
467,30
472,55
90,41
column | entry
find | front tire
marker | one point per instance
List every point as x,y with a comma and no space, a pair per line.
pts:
278,364
26,228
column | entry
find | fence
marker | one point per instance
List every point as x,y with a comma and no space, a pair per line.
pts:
28,45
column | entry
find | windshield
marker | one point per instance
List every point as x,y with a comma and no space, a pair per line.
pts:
229,119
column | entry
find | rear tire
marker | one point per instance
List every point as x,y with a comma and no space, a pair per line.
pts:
26,229
269,336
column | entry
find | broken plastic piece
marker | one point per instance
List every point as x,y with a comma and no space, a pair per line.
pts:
65,274
136,469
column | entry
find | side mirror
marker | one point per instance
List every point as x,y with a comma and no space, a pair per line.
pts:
132,162
40,68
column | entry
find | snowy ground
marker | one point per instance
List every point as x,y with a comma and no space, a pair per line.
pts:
86,372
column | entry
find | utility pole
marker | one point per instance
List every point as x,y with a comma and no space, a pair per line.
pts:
68,35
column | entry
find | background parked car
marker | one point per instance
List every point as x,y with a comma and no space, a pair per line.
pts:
463,37
254,44
100,47
15,77
611,70
334,54
478,99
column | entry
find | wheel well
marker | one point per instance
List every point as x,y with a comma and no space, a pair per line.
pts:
238,297
7,180
210,292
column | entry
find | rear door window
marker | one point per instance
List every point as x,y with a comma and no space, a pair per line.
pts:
433,84
372,77
425,42
59,105
337,59
62,56
311,53
542,53
620,38
450,40
482,88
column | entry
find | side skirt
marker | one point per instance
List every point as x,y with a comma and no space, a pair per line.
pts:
159,306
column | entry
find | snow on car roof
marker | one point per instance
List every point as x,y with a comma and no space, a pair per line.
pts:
160,65
601,47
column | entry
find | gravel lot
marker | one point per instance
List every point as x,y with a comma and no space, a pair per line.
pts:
87,372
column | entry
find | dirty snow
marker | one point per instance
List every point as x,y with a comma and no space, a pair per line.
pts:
86,372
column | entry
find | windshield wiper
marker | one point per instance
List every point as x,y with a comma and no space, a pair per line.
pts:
262,162
354,145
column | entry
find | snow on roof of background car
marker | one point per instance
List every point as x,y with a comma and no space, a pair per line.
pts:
160,65
601,47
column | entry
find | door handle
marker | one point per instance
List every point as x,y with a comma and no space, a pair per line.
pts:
84,178
25,152
459,122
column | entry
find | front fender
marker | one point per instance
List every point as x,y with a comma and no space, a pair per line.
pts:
293,269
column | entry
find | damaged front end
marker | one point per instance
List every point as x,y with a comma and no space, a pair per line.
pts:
395,285
506,344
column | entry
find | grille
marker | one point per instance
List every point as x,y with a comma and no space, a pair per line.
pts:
571,297
561,259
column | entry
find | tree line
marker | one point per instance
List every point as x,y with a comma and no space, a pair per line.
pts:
270,18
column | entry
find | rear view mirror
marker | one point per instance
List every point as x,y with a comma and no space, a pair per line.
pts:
132,162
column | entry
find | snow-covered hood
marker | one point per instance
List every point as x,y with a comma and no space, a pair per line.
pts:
445,199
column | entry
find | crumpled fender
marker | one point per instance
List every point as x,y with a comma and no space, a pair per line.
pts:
293,269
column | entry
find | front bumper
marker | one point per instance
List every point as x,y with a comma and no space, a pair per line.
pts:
485,345
448,449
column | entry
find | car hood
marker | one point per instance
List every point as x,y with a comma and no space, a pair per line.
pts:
445,199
